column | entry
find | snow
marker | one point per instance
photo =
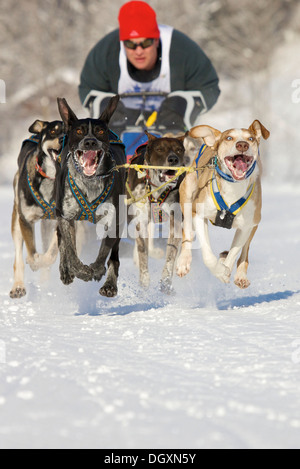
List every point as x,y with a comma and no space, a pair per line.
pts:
212,367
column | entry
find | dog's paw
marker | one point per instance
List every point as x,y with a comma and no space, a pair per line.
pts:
84,273
183,265
34,262
17,292
222,272
241,282
66,276
165,286
98,271
109,290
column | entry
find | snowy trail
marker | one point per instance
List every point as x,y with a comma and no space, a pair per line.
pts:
213,367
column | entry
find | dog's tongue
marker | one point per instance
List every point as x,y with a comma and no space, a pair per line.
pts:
240,165
89,157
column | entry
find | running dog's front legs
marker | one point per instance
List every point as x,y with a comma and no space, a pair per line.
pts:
185,259
70,266
110,287
171,254
217,267
142,248
241,241
142,245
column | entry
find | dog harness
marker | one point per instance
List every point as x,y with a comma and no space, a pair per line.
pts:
158,214
225,214
201,151
48,208
88,210
33,138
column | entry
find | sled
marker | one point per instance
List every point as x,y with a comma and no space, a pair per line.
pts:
134,136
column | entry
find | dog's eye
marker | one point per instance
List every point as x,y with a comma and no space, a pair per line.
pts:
52,132
251,139
229,138
99,131
79,131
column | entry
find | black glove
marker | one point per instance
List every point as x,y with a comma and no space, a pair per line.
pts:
121,118
170,115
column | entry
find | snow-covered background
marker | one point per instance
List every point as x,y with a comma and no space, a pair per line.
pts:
212,367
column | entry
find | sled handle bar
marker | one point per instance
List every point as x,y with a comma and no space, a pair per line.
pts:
143,94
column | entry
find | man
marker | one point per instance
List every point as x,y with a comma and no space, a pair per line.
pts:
145,56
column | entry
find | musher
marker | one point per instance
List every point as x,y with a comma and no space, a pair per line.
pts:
144,56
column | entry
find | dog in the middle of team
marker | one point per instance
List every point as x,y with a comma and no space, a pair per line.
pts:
89,188
154,197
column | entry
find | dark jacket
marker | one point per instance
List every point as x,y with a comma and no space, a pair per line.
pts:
190,69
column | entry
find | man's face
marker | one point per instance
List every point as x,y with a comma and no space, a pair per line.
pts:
142,59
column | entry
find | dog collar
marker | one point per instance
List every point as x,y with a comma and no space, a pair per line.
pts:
39,169
229,178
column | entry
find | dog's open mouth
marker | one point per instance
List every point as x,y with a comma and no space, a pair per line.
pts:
89,160
54,153
239,165
166,176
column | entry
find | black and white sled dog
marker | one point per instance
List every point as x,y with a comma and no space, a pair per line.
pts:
34,199
87,184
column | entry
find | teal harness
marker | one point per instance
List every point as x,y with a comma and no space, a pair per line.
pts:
89,210
48,208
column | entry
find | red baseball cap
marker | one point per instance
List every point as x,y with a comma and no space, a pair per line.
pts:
137,19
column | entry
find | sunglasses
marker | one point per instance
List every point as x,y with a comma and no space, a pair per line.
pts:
144,44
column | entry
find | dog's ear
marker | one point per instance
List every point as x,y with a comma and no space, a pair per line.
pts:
110,109
259,130
207,133
67,115
150,136
182,137
37,127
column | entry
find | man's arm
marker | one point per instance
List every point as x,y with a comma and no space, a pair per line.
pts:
192,70
194,84
101,68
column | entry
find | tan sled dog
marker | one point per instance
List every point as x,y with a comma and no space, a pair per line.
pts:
226,192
